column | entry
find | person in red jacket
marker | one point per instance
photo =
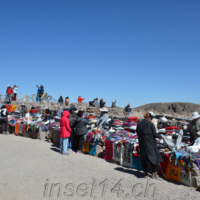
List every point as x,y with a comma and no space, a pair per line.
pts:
65,132
9,93
80,99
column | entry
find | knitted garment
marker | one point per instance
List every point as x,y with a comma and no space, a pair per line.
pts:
108,150
17,128
86,147
173,172
136,163
93,148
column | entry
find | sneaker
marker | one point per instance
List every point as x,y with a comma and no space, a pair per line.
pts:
70,150
79,152
7,133
155,176
4,133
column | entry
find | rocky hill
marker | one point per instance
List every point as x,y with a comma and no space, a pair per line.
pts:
175,108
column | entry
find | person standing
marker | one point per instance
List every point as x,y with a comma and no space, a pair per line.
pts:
148,146
15,88
38,93
102,103
128,110
65,132
67,101
9,93
96,103
60,100
80,100
4,120
81,129
23,110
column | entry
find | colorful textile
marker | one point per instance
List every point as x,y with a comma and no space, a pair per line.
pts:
93,148
17,128
198,163
136,163
108,150
128,124
173,171
86,147
164,164
20,128
132,119
128,153
24,128
117,154
185,174
117,122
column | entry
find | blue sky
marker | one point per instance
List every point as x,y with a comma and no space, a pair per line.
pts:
132,51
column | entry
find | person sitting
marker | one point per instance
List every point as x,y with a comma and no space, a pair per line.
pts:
102,103
47,113
65,132
91,103
4,120
67,101
194,127
80,100
96,103
81,129
103,117
23,110
60,100
113,104
128,110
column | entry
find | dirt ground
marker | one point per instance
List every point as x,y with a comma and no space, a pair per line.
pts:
34,170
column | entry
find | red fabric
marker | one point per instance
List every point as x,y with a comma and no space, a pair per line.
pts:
65,130
90,117
132,119
172,127
34,111
80,99
9,90
164,164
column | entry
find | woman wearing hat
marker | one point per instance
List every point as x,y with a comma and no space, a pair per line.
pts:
147,143
194,127
103,117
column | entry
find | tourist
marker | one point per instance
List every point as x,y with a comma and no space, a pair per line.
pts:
60,100
128,110
113,104
103,117
4,120
148,146
15,88
96,103
38,93
23,110
81,129
194,127
72,109
47,113
80,100
102,103
67,101
9,93
65,132
91,103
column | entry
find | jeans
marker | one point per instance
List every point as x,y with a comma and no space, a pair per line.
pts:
5,124
63,145
8,97
128,114
70,146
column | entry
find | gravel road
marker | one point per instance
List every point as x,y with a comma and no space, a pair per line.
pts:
34,170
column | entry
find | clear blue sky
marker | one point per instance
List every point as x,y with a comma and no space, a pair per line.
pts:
132,51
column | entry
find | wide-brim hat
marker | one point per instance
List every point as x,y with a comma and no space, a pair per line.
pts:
152,114
22,104
46,108
104,110
195,115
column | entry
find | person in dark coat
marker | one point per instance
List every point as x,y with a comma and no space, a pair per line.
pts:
102,103
81,129
60,100
148,149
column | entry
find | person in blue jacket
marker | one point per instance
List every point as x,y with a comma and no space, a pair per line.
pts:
38,93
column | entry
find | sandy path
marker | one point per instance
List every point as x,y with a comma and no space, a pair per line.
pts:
26,164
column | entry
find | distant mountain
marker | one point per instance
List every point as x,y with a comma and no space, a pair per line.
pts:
172,108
